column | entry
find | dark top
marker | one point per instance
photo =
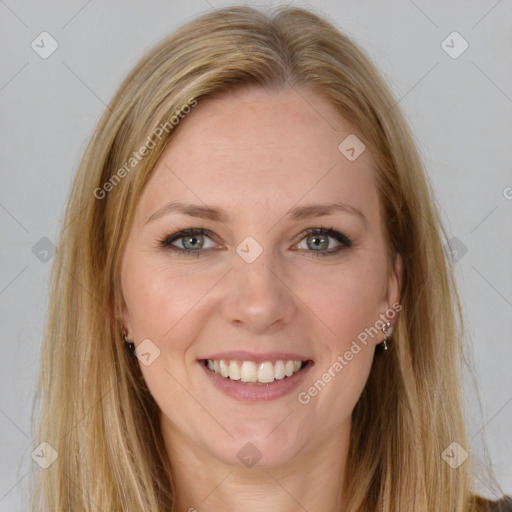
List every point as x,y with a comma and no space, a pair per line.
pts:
503,505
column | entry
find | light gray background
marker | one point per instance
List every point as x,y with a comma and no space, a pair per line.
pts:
460,110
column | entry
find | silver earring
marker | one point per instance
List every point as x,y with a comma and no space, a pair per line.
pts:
385,328
128,344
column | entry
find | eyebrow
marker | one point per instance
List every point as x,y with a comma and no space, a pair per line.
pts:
217,214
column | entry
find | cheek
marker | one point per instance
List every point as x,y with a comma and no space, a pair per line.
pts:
348,304
346,299
158,298
163,305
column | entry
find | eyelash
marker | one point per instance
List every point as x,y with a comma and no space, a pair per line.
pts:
344,240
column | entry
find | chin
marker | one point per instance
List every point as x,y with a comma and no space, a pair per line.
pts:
261,447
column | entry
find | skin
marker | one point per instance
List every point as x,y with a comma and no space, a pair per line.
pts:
257,154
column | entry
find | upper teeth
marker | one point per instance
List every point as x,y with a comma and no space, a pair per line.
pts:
249,371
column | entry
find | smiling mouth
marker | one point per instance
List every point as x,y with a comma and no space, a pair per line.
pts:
255,373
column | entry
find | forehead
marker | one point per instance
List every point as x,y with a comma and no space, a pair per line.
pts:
261,148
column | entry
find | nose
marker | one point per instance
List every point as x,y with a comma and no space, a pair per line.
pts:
257,296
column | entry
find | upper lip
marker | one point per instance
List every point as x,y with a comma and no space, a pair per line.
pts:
243,355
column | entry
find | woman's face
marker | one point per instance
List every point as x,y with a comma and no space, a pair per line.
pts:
261,285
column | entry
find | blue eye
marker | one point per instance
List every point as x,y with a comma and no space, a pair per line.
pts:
318,239
191,241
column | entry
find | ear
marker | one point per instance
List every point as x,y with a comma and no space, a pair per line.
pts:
125,320
395,285
119,314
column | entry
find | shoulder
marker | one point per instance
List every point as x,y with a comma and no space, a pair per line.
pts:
503,505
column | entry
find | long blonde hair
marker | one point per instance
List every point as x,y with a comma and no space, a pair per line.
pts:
96,411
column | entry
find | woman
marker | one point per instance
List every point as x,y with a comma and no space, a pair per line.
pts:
251,307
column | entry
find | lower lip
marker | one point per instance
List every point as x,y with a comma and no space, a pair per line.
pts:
253,392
